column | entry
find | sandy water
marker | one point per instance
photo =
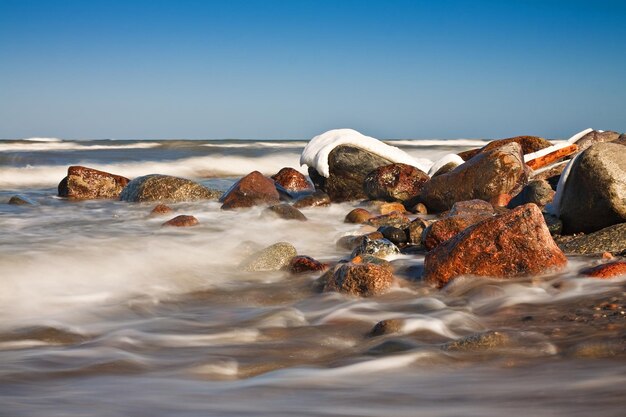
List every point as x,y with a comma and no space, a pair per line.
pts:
105,313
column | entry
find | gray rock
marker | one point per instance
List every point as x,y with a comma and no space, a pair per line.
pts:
21,200
317,199
380,248
537,191
594,137
610,239
157,187
594,195
284,211
272,258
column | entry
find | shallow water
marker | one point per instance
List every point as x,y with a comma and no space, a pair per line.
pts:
105,313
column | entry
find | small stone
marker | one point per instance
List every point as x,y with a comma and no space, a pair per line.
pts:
20,200
486,341
181,221
304,264
394,219
386,327
161,209
317,199
393,234
362,279
284,211
272,258
351,242
415,231
292,180
418,208
387,208
537,191
380,248
605,271
358,216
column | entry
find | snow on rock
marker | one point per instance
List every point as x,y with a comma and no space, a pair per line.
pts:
315,153
444,160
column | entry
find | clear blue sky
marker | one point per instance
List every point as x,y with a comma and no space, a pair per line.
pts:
293,69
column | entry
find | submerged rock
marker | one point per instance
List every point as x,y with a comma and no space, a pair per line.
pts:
21,200
608,270
181,221
82,183
317,199
292,180
285,211
360,279
304,264
511,244
394,182
161,209
594,195
487,176
478,342
610,239
252,190
385,327
272,258
156,187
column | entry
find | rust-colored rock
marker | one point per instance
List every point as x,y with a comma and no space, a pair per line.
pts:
394,182
161,209
84,183
512,244
387,208
181,221
529,144
608,270
292,180
358,216
304,264
361,279
448,227
252,190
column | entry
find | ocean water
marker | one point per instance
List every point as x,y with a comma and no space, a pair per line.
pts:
105,313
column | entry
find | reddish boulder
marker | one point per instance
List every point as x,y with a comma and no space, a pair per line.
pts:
84,183
529,144
253,189
461,216
361,279
304,264
512,244
292,180
608,270
161,209
394,182
181,221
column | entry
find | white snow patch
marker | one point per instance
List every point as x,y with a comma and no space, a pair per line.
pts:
545,151
579,135
315,153
554,208
444,160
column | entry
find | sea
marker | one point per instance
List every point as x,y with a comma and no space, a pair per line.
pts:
104,312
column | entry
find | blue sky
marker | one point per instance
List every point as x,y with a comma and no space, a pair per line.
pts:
293,69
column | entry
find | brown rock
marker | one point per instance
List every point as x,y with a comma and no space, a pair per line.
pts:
358,216
394,182
252,190
161,209
351,242
416,230
608,270
394,219
388,326
304,264
292,180
418,208
529,144
448,227
512,244
594,137
486,176
156,187
361,279
317,199
182,221
387,208
285,211
471,207
84,183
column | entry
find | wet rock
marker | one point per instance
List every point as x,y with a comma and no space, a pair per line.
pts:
608,270
394,235
182,221
485,177
555,225
450,166
357,216
304,264
360,279
252,190
529,144
471,207
284,211
394,219
419,208
82,183
292,180
161,209
380,248
158,187
272,258
610,239
386,327
352,242
552,174
394,182
348,167
511,244
448,227
478,342
387,208
594,195
415,231
538,192
317,199
21,200
598,349
594,137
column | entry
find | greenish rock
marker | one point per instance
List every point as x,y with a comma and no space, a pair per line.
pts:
158,187
272,258
610,239
479,342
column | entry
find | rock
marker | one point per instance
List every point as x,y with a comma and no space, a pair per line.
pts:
538,192
608,270
317,199
488,340
471,207
360,279
304,264
292,180
394,235
394,219
448,227
84,183
594,195
386,327
415,231
610,239
387,208
594,137
551,174
351,242
486,176
555,225
272,258
450,166
358,216
418,208
252,190
394,182
181,221
348,167
284,211
511,244
21,200
380,248
529,144
158,187
161,209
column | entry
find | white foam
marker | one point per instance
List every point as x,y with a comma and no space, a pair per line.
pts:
315,153
31,146
446,159
479,143
43,139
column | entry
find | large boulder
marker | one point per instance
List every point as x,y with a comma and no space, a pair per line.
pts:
158,187
610,239
594,137
82,183
529,144
252,190
394,182
594,195
487,176
512,244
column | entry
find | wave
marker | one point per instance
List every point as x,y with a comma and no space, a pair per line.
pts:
438,142
68,146
278,144
43,139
